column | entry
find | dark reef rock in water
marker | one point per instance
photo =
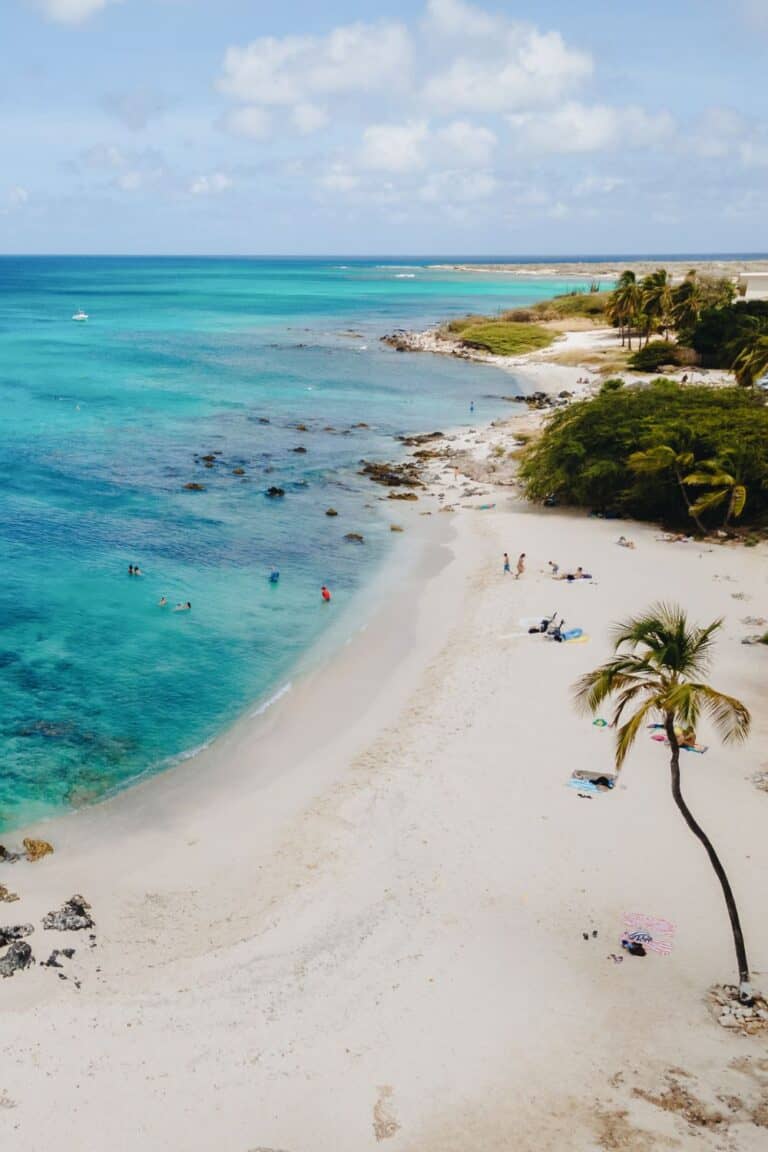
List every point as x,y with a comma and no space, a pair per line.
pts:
402,496
17,958
331,512
238,471
193,486
71,917
274,493
300,449
13,932
392,475
421,438
354,538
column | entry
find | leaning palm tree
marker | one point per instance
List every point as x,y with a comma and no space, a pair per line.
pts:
726,489
750,357
663,458
656,673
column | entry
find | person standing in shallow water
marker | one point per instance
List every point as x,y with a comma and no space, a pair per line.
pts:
506,562
325,594
520,566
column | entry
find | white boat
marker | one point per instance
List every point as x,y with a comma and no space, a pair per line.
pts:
80,315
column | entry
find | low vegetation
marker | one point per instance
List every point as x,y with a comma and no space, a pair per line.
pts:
502,337
694,458
520,330
657,354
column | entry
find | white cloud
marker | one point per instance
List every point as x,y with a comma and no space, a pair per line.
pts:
454,18
309,118
293,69
72,11
502,65
467,143
575,127
250,120
210,185
395,147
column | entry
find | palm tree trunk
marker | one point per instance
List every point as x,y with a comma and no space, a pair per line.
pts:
745,992
689,506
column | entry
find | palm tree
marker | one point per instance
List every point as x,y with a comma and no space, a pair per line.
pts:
724,480
655,672
624,307
662,458
656,302
751,354
687,302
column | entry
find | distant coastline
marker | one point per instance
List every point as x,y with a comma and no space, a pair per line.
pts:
612,267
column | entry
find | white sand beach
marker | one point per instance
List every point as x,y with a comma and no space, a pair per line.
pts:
359,919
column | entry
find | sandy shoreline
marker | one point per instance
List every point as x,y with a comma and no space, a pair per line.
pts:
360,918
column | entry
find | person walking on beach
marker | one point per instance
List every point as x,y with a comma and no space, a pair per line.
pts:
506,562
520,566
325,594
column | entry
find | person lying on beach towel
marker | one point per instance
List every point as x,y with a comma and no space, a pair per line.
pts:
579,574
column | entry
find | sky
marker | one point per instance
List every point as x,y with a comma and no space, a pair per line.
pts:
497,127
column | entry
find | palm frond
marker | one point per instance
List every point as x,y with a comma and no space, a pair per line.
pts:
729,715
627,733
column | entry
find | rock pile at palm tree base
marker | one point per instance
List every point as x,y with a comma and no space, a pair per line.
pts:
731,1013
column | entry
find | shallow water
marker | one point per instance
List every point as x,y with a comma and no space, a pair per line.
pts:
102,423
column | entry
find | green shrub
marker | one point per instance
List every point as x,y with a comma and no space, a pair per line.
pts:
657,354
582,455
504,338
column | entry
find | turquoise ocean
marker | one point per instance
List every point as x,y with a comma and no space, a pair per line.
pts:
104,422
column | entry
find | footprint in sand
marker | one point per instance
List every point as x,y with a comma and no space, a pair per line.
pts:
385,1123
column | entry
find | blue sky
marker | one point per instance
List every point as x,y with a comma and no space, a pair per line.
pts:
436,126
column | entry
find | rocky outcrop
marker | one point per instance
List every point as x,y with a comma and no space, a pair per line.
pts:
10,933
402,496
300,449
331,512
275,493
73,916
238,471
6,896
193,486
53,959
17,958
36,849
404,475
354,538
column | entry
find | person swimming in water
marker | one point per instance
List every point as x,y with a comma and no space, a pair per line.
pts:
326,595
274,576
130,569
183,607
162,602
